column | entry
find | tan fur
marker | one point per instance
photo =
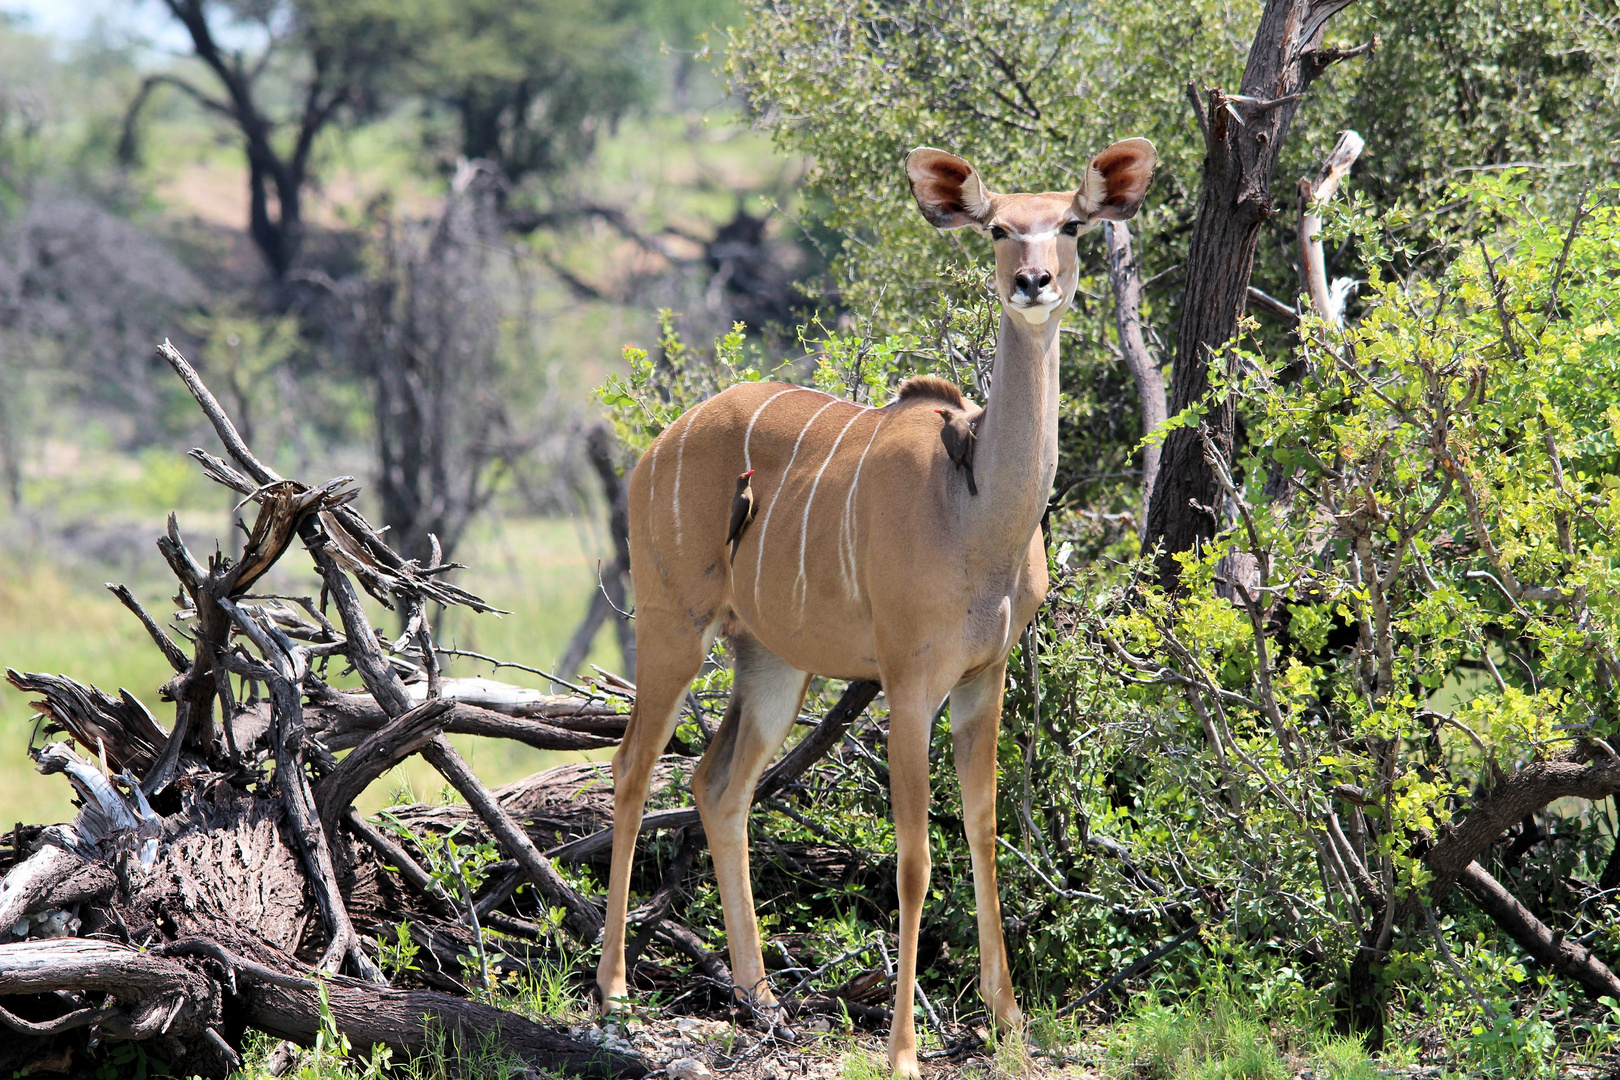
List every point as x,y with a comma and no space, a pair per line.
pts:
867,559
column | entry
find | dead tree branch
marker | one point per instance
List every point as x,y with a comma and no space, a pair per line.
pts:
1126,277
395,741
1567,958
1241,151
1313,194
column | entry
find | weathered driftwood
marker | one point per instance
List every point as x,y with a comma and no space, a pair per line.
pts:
250,859
386,747
481,707
131,737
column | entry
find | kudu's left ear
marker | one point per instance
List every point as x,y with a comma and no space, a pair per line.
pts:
1116,181
947,189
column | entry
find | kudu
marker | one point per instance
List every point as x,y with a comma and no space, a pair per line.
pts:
868,559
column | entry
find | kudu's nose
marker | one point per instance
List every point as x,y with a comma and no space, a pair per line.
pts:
1031,280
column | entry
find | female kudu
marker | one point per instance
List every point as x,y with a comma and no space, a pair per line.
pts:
868,559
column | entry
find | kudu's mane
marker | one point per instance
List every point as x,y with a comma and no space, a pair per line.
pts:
931,386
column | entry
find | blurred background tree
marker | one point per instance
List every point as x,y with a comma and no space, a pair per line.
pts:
402,240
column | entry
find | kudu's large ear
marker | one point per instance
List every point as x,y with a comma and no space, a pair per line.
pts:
947,189
1116,181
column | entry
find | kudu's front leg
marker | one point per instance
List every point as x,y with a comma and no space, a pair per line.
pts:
910,718
975,728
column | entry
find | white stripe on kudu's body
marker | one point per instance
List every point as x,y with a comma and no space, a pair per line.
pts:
915,583
846,525
748,438
809,500
765,526
680,456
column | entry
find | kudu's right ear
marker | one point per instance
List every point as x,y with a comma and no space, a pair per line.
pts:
947,189
1117,181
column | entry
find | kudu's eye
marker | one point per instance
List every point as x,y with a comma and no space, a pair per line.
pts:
997,233
1070,228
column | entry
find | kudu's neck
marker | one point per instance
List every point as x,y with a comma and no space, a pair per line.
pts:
1016,455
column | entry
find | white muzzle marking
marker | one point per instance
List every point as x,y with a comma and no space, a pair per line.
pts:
1038,312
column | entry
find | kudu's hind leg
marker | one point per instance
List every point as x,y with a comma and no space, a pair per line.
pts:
669,654
765,700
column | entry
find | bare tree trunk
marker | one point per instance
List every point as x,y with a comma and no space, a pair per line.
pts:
610,597
1126,276
428,330
10,436
1243,137
1312,196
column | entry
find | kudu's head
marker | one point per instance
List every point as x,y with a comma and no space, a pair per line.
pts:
1036,264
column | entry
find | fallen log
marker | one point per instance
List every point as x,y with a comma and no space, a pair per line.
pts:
416,1021
146,997
177,996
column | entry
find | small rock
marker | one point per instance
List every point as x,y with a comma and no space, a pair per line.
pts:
820,1025
688,1069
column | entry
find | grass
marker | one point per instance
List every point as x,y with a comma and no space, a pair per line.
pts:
1222,1037
50,622
861,1065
